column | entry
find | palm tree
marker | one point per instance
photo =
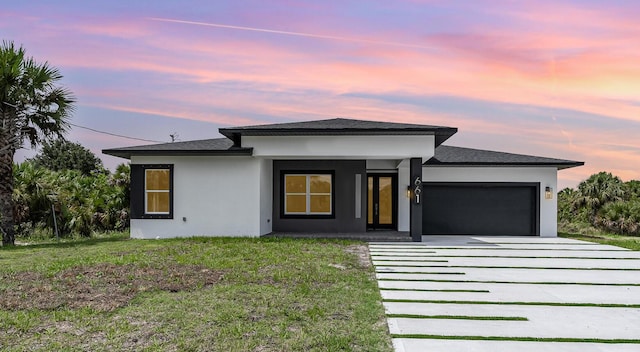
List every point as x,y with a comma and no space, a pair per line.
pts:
599,189
32,108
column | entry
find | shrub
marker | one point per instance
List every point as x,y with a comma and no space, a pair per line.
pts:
81,203
621,217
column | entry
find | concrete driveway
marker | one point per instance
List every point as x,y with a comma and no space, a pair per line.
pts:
462,293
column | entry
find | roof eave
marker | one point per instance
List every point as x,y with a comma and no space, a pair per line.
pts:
127,154
559,166
444,132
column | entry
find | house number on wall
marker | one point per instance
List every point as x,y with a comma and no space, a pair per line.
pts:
417,190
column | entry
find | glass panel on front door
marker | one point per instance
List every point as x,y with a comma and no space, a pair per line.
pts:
385,201
381,201
370,200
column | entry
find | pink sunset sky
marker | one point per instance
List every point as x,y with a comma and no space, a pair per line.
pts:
550,78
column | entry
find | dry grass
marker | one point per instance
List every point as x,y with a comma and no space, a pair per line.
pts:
102,286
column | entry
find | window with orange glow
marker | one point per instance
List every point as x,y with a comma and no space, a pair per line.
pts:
308,194
157,191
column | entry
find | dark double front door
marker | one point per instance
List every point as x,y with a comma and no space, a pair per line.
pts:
382,195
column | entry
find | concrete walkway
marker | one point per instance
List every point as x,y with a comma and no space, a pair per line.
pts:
461,293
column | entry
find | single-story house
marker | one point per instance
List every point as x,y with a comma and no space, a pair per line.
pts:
338,176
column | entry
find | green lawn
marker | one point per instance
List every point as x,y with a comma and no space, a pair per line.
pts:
214,294
630,242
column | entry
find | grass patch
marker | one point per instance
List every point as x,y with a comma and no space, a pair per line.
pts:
102,286
461,317
503,338
629,242
219,294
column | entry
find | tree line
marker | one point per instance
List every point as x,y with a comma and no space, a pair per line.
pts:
603,201
65,187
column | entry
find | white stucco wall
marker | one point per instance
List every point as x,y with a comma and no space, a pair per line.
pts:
341,147
218,196
546,176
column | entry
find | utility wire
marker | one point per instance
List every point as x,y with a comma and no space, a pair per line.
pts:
97,131
114,134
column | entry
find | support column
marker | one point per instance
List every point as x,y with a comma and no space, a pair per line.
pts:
415,208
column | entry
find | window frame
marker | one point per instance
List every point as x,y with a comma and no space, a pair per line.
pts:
144,191
308,215
147,191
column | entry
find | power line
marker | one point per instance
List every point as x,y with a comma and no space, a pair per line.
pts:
95,130
114,134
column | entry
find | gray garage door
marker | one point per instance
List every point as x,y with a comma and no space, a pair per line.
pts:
480,209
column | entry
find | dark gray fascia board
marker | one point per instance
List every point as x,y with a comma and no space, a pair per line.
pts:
127,154
559,165
230,132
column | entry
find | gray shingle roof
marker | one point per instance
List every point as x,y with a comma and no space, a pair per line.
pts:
340,126
218,146
457,156
444,155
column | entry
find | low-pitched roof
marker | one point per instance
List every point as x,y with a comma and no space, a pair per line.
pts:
339,126
457,156
444,155
218,146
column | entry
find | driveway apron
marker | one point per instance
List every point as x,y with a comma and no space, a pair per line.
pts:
477,293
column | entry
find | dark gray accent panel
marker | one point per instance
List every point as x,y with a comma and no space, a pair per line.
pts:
344,217
481,209
137,191
138,194
417,199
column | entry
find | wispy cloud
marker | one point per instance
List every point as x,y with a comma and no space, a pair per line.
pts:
297,34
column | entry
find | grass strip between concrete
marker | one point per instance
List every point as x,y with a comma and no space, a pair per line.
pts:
414,260
459,317
422,272
554,304
500,267
431,290
504,338
536,243
510,282
503,249
481,256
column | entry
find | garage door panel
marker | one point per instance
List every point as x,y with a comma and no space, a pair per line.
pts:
480,209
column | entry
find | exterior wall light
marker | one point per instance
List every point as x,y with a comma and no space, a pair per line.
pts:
548,193
409,189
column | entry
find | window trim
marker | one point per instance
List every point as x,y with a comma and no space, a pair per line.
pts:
157,215
307,215
147,191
